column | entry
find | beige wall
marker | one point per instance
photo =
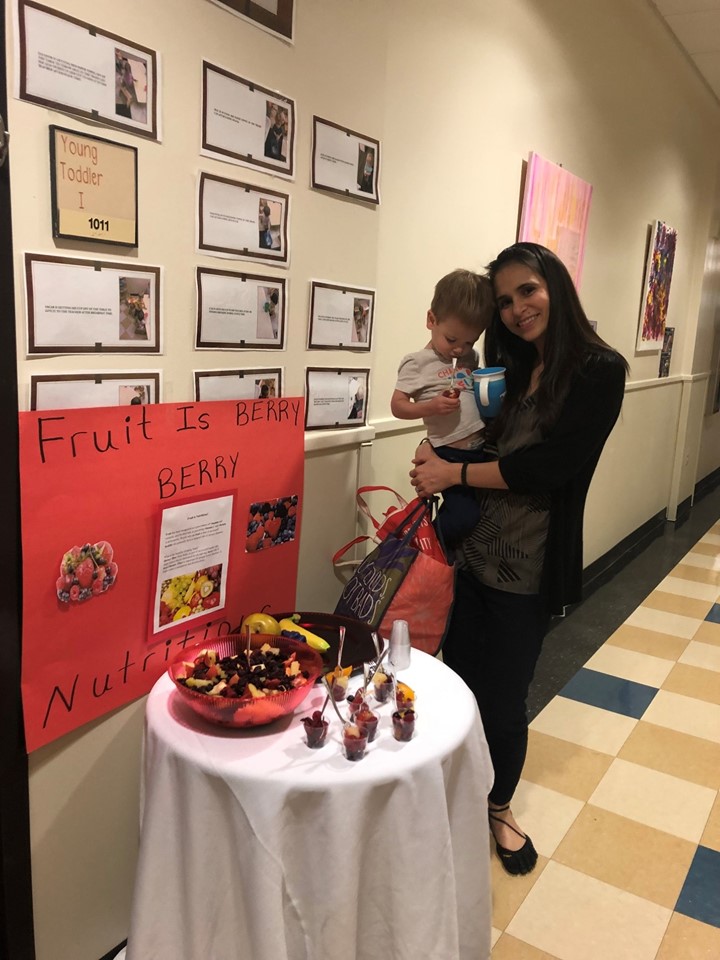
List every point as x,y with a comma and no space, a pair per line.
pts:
459,93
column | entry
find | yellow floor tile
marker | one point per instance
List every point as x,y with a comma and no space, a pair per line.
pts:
648,641
711,834
694,682
509,948
674,603
700,574
688,939
509,892
709,549
570,915
627,854
679,754
708,632
563,766
655,799
686,714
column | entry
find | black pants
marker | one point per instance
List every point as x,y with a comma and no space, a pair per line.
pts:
493,643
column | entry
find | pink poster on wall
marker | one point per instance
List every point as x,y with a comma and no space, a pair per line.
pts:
555,211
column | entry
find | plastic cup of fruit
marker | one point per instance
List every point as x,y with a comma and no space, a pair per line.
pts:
383,686
354,742
315,730
367,721
339,689
451,392
403,702
355,702
403,722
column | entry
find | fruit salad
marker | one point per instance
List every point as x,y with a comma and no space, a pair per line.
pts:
86,572
266,673
315,729
190,594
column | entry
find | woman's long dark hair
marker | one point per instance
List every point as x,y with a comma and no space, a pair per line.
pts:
568,340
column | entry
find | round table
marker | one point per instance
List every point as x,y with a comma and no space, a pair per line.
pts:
254,846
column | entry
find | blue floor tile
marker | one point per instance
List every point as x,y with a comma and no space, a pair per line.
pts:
609,693
714,615
700,895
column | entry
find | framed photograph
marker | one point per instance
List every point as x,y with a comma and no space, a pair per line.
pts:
64,391
240,311
341,316
335,398
275,16
245,123
256,383
658,276
94,188
75,67
91,306
241,221
345,162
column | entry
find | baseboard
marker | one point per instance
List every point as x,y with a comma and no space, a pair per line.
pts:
683,511
602,570
707,484
115,951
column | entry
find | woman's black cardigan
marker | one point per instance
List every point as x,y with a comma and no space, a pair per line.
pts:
563,465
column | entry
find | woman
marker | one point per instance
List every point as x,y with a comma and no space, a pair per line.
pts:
523,561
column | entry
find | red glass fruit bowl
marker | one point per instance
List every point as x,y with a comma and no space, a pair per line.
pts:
233,712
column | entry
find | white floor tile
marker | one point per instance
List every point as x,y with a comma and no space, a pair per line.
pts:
544,814
713,538
580,723
494,936
677,712
689,588
630,665
656,799
662,622
575,917
700,560
704,655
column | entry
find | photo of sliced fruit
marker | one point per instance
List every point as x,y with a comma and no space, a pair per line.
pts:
86,572
189,594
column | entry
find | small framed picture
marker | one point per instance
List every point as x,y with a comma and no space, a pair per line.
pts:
341,316
345,162
241,221
94,187
256,383
274,16
240,311
335,398
65,391
91,306
248,124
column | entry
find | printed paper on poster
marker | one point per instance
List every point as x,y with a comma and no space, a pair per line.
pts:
261,383
67,391
248,124
80,69
336,398
242,221
193,555
340,316
239,311
345,162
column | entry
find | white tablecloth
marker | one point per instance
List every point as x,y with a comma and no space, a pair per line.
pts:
254,846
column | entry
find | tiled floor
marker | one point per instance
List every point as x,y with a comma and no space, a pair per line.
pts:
620,791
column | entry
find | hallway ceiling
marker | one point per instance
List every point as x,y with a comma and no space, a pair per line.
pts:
696,24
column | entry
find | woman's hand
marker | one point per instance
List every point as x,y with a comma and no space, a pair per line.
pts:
431,474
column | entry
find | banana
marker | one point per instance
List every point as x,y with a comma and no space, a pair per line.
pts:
313,640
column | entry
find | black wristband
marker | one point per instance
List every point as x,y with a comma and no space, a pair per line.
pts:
463,475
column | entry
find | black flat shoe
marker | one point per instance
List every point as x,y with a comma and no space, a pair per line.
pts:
516,862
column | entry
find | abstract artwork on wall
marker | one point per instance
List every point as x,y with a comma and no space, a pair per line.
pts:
555,211
658,275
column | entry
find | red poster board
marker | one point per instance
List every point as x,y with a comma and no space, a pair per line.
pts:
103,476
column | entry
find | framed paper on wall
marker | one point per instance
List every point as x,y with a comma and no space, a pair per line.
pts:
237,311
241,221
658,276
257,383
335,398
555,212
245,123
94,188
275,16
91,306
65,391
341,316
78,68
345,162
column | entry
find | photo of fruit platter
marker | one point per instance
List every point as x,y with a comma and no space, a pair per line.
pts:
86,572
190,594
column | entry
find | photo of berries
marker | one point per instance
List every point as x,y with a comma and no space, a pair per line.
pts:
189,594
271,523
86,572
